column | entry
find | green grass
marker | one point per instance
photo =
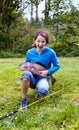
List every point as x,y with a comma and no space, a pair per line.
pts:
56,112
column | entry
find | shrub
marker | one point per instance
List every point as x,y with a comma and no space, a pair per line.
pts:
9,54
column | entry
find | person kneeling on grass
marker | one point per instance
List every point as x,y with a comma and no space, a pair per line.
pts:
45,56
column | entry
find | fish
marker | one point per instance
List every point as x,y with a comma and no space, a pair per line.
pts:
35,67
30,65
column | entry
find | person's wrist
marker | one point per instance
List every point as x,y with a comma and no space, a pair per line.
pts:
47,73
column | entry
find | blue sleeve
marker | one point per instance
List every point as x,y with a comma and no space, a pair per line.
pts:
55,62
27,57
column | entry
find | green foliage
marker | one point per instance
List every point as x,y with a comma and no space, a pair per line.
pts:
16,33
17,38
70,50
9,12
9,54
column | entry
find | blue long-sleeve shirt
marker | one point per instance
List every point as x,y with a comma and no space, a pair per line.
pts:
47,58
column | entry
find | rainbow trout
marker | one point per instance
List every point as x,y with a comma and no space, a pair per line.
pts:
29,66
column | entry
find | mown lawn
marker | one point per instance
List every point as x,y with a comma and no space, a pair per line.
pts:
60,111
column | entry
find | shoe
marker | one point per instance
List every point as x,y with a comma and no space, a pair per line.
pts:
23,104
40,95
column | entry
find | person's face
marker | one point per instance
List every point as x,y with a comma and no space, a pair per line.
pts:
40,42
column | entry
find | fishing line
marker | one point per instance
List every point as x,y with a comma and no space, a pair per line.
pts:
29,105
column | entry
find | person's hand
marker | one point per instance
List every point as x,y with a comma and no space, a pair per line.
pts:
32,70
43,73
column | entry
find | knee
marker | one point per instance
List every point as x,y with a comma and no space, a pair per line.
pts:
25,82
43,90
42,86
26,75
24,79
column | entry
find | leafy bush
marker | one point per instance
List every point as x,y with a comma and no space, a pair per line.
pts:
9,54
66,50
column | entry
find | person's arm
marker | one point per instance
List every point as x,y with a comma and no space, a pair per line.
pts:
27,57
55,62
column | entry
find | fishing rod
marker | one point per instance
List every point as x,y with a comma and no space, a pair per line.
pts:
29,105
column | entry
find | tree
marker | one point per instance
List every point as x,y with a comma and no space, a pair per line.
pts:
9,11
59,7
47,11
0,6
36,4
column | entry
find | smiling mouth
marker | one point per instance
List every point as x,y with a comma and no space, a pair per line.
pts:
40,46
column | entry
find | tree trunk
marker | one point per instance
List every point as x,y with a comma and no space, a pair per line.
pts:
31,12
36,13
0,6
47,9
